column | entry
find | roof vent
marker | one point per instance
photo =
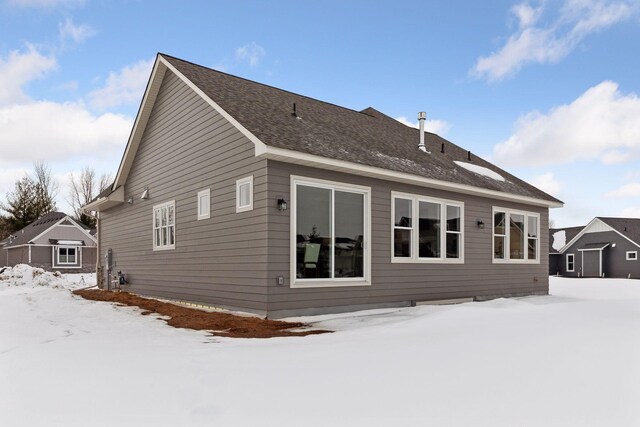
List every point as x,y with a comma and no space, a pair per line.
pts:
294,113
422,116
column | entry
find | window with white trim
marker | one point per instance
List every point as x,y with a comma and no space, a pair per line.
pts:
426,229
330,233
632,255
570,263
164,226
244,194
67,255
204,204
516,236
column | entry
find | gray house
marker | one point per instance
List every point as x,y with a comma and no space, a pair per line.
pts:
236,194
606,247
53,242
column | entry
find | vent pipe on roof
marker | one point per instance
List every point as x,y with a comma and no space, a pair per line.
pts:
422,116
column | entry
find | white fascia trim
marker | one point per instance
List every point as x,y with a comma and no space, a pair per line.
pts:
594,249
144,112
75,224
116,198
583,232
290,156
260,147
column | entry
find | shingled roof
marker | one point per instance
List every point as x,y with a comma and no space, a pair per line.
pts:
366,137
628,227
34,229
570,233
325,135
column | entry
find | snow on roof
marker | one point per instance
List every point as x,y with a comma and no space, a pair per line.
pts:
559,240
480,170
70,242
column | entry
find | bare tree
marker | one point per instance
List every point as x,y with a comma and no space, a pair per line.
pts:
46,188
83,188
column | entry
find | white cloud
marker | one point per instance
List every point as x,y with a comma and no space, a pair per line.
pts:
75,33
550,43
600,124
625,192
547,183
123,87
439,127
633,212
50,131
18,69
251,52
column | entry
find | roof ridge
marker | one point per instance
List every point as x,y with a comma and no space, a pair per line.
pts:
266,85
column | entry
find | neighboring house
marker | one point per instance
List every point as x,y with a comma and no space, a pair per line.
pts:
558,238
237,194
53,242
606,247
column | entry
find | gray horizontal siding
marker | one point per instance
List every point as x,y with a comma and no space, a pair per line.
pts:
614,262
402,282
187,147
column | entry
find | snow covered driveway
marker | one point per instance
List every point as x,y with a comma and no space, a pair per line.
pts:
570,359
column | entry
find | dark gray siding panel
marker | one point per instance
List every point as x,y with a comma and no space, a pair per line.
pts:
614,259
391,282
188,147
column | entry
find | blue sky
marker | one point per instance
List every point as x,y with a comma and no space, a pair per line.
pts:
545,89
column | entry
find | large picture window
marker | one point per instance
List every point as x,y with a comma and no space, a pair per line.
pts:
164,226
330,223
516,236
426,229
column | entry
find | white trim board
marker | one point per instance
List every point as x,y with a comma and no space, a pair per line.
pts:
296,157
596,225
289,156
75,224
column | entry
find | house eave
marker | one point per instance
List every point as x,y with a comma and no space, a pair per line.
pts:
102,204
290,156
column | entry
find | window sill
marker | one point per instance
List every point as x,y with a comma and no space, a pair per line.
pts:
427,261
515,261
164,248
328,283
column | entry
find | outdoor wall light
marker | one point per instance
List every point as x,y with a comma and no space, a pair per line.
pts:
480,224
145,193
130,200
282,204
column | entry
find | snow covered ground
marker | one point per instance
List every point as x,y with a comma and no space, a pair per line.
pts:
569,359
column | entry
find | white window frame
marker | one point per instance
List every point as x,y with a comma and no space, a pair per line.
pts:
573,261
632,255
507,236
366,238
67,249
239,184
415,223
55,257
201,195
160,207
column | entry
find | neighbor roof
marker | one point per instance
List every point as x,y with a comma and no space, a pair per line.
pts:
628,227
570,233
35,228
366,137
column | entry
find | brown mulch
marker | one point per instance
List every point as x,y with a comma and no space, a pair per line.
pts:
218,323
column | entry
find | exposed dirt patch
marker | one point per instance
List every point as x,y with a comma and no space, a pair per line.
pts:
221,324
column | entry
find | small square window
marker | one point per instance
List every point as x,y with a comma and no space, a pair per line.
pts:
632,255
244,194
204,204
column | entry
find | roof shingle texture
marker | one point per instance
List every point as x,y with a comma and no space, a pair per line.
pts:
628,227
35,228
365,137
